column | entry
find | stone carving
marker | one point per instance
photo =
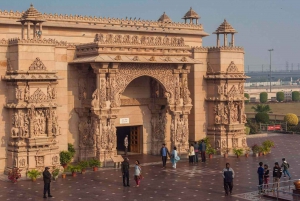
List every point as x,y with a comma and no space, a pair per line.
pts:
55,127
118,58
244,118
39,160
186,93
9,65
37,65
27,93
162,73
234,111
49,92
152,58
22,162
224,143
38,97
102,92
232,68
20,124
87,131
135,39
158,123
55,160
221,114
177,91
233,91
111,135
95,99
135,58
241,88
218,144
235,142
220,89
19,94
114,95
209,68
169,97
39,122
225,89
184,59
244,143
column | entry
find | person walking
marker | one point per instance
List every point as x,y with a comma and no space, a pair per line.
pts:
260,172
137,173
47,181
125,172
174,157
228,175
266,176
285,165
164,152
126,144
196,148
277,173
191,154
203,150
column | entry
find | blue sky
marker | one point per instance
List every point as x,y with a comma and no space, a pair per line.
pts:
262,24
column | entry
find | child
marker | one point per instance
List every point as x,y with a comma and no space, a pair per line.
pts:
285,165
137,173
260,172
266,176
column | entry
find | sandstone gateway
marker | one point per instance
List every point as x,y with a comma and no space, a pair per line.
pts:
90,81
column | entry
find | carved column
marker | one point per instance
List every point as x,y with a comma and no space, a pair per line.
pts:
28,30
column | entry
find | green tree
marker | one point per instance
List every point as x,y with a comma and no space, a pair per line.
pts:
262,117
291,119
246,96
280,96
295,96
263,97
262,108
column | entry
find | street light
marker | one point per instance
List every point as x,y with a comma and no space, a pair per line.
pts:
270,50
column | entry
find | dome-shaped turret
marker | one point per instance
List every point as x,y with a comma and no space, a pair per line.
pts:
164,18
191,15
225,28
32,14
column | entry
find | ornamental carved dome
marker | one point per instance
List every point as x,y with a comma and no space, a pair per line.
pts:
225,27
164,18
32,14
191,14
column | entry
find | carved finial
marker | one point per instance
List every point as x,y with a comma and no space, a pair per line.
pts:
31,5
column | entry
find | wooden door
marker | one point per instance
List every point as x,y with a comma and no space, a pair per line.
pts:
134,142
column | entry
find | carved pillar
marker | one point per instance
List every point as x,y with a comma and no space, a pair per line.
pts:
28,30
218,40
41,30
34,30
112,94
225,39
49,121
31,114
22,32
232,39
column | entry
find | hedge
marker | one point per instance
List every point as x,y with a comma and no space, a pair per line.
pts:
280,96
295,96
263,97
291,119
247,96
262,117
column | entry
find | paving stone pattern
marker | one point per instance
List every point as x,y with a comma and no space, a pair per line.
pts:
203,181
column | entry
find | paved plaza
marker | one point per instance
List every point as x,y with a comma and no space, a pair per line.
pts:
185,183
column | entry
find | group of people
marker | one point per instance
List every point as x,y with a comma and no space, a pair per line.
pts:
125,172
194,151
264,174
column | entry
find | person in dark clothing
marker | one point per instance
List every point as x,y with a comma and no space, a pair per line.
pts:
202,148
125,172
277,173
196,149
47,181
228,175
164,152
260,172
266,176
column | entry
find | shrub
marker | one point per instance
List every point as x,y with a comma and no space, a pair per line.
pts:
94,163
254,127
238,152
247,130
65,157
263,97
84,164
55,173
33,174
255,148
262,117
261,108
74,168
291,119
71,149
280,96
211,150
295,96
246,96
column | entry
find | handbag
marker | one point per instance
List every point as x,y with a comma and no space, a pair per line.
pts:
177,158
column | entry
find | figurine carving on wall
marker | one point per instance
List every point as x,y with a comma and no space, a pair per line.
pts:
27,93
40,160
95,99
220,90
19,94
49,92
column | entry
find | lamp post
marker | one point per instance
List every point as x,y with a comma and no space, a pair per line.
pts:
270,50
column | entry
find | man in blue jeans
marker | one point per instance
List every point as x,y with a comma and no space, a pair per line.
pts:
164,152
260,172
285,165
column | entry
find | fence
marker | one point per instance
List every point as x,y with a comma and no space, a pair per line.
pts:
279,190
280,127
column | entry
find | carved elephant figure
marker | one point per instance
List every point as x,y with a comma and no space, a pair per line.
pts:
15,132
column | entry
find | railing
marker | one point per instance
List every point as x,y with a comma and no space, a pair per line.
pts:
278,190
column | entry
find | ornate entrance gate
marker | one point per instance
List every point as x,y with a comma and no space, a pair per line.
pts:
113,74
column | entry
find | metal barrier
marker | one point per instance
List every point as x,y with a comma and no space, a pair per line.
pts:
283,187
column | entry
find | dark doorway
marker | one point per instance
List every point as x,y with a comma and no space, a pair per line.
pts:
134,138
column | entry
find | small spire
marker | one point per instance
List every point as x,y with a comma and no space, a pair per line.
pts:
31,5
